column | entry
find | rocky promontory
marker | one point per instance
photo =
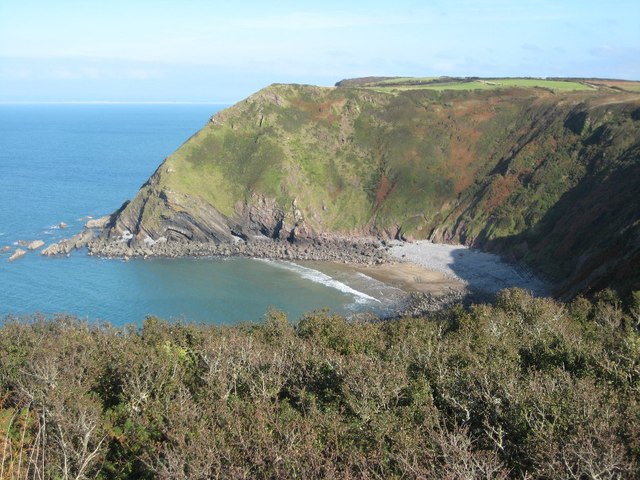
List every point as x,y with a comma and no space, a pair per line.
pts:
260,230
66,246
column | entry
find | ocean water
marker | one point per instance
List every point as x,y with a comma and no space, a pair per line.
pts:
66,163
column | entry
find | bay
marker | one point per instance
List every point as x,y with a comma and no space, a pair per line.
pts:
65,163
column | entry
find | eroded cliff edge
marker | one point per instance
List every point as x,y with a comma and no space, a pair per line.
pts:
547,178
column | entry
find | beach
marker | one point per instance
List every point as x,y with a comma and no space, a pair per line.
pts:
472,269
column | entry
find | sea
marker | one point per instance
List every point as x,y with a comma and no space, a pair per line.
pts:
67,163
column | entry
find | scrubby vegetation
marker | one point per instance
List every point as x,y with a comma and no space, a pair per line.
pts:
523,388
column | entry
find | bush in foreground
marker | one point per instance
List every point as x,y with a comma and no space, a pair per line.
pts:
523,388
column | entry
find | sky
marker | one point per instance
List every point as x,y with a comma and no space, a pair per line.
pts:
220,52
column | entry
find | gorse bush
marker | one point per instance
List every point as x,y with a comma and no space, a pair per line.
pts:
522,388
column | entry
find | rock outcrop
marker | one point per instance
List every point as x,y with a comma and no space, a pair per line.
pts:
101,222
34,245
66,246
17,254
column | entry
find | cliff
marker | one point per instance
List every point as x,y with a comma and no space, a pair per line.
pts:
545,172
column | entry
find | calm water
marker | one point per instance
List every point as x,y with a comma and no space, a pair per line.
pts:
63,163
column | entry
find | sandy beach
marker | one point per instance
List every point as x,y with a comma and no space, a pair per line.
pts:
436,270
410,277
472,269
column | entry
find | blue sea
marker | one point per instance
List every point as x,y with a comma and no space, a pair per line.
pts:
68,163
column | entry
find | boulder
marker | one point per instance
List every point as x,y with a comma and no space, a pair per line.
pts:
53,249
98,222
6,248
35,244
62,225
17,254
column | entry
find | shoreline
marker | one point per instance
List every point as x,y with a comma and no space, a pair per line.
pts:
417,289
411,290
412,278
329,248
479,271
429,276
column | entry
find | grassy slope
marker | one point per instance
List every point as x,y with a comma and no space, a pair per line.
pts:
354,158
494,168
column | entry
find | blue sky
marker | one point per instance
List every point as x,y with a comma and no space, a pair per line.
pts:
220,52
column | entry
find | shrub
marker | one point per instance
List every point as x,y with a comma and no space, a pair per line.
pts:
522,388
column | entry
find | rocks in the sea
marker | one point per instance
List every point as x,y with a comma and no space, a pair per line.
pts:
22,243
67,245
35,244
6,248
62,225
101,222
54,249
17,254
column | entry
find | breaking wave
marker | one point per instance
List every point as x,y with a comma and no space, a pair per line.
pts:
323,279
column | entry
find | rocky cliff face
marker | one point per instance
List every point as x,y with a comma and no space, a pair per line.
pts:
548,178
159,212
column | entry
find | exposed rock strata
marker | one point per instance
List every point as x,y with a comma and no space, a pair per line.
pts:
101,222
66,246
180,217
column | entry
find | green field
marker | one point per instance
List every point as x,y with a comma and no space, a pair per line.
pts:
432,83
538,82
406,80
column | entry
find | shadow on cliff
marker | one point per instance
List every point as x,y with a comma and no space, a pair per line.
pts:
589,239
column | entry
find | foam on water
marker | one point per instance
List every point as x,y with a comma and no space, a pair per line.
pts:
323,279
